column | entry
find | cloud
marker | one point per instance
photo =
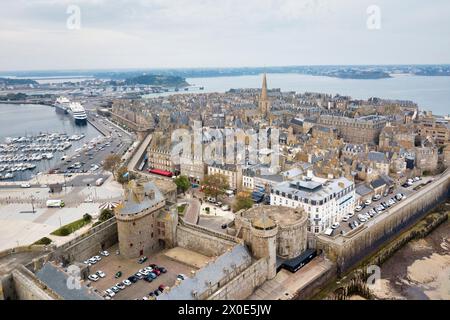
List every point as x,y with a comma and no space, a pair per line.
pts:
183,33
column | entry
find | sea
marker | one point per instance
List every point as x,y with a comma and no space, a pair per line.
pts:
28,120
430,93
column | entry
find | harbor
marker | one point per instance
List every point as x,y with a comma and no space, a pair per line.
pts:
41,139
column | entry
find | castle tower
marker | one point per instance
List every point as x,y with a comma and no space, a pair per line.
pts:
264,242
264,102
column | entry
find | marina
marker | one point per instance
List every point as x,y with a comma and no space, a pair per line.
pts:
29,147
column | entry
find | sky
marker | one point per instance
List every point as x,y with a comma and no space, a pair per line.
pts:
119,34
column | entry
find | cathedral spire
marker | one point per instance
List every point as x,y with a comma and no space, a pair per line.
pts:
264,89
264,103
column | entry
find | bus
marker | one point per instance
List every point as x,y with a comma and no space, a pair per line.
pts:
55,203
161,173
293,265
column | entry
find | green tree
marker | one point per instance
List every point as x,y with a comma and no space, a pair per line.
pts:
112,163
215,185
87,217
242,201
106,214
123,175
182,183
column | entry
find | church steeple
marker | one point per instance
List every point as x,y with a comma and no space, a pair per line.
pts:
264,103
264,88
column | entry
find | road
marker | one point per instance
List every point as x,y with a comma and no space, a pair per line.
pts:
193,210
344,226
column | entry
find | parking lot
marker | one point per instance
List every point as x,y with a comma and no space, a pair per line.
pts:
406,191
113,263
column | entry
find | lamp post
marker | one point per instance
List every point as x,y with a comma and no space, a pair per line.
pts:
32,203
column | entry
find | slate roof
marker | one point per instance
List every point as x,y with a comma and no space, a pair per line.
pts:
56,279
212,273
130,206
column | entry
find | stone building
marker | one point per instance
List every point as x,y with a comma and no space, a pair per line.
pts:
159,152
137,219
291,236
356,130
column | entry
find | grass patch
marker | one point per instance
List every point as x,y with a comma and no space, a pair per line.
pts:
181,209
43,241
70,228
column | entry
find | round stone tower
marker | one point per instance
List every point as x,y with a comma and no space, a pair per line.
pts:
264,242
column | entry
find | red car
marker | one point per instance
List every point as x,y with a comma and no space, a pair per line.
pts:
157,272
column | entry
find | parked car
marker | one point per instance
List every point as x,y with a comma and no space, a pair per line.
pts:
162,269
110,293
120,285
101,274
367,202
104,253
162,287
148,279
138,275
142,259
98,258
358,208
133,279
152,275
181,276
225,207
92,261
93,277
335,225
345,218
376,197
115,289
127,282
118,274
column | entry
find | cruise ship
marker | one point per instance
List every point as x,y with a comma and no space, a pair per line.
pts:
62,105
78,113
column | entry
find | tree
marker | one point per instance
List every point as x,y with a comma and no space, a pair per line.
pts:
112,163
87,217
123,175
215,185
106,214
183,183
243,200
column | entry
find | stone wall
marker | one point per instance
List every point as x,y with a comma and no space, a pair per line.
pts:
244,284
89,244
347,251
203,240
22,284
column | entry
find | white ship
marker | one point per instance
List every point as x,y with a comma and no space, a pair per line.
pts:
78,113
62,104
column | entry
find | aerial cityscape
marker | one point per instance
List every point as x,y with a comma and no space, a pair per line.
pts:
183,172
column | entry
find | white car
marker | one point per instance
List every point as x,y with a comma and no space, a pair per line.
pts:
350,214
376,197
335,225
358,208
25,185
101,274
120,285
93,277
104,253
345,218
87,262
92,261
127,282
98,258
225,207
368,201
110,293
149,269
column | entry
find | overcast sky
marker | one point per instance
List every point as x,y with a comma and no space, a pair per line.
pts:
220,33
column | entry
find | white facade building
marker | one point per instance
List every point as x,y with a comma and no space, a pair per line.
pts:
325,201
